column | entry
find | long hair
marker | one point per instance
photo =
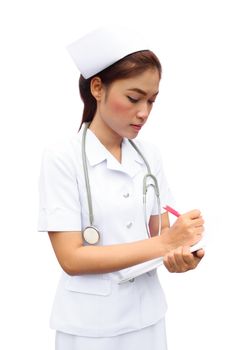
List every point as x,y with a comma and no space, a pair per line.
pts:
128,67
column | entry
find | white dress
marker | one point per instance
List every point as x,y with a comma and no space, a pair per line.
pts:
148,338
94,310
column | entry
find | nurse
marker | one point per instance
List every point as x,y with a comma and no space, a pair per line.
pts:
119,83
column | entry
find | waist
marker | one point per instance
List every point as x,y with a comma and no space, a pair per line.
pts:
96,305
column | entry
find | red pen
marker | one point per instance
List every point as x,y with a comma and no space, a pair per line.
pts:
172,211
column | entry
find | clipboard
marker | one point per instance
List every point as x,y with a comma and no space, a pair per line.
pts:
140,269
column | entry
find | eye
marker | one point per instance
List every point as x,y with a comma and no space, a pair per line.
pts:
132,100
151,102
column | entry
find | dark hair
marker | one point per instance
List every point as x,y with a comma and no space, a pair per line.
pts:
128,67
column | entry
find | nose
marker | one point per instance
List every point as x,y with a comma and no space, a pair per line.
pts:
143,111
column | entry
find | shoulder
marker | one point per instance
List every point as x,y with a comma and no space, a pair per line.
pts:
61,153
145,144
151,152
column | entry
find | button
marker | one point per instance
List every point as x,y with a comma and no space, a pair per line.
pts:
126,195
132,280
129,224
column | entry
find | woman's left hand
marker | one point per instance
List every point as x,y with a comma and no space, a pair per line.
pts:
182,260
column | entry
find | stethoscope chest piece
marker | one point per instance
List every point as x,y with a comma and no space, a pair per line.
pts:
91,235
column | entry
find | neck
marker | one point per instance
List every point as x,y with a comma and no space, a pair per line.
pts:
105,134
111,140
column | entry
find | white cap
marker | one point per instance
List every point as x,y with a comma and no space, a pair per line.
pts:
101,48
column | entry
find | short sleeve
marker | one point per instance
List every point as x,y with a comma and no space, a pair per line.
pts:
59,203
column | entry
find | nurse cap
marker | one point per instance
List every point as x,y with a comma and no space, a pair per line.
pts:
102,47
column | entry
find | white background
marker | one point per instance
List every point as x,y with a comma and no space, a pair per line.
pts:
199,123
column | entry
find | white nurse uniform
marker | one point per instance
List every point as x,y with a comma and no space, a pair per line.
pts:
94,312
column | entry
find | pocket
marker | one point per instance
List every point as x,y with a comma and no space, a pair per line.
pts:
89,284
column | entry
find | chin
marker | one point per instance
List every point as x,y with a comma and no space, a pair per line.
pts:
129,134
131,137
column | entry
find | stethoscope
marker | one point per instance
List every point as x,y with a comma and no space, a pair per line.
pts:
91,234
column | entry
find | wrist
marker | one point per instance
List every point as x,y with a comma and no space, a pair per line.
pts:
164,242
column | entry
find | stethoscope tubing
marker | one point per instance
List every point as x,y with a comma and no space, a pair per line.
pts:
149,175
86,175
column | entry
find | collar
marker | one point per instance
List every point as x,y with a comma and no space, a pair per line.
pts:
97,153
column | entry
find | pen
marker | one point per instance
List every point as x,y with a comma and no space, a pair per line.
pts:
199,245
172,211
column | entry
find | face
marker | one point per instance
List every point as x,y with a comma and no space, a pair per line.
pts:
124,107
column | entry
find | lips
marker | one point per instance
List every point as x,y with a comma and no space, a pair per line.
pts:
137,127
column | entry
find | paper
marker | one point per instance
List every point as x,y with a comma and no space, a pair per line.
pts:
137,270
140,269
199,245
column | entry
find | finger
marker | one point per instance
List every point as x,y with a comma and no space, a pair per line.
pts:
179,261
193,214
196,233
198,222
169,262
199,230
168,266
184,260
199,254
188,258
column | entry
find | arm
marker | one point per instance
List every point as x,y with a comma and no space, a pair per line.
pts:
76,259
153,224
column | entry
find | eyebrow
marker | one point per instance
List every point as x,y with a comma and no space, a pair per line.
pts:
142,92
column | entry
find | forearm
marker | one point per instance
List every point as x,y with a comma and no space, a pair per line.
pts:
77,259
103,259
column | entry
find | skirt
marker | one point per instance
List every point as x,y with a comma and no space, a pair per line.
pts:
152,337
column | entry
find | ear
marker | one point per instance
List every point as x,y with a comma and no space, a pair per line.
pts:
97,88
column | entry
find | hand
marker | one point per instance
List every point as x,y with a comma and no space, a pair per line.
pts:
182,260
186,231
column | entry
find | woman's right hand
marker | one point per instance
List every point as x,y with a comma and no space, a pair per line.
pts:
186,230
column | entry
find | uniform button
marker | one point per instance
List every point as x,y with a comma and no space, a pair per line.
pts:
129,224
126,195
132,280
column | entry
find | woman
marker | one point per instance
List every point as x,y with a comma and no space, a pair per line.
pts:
96,179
